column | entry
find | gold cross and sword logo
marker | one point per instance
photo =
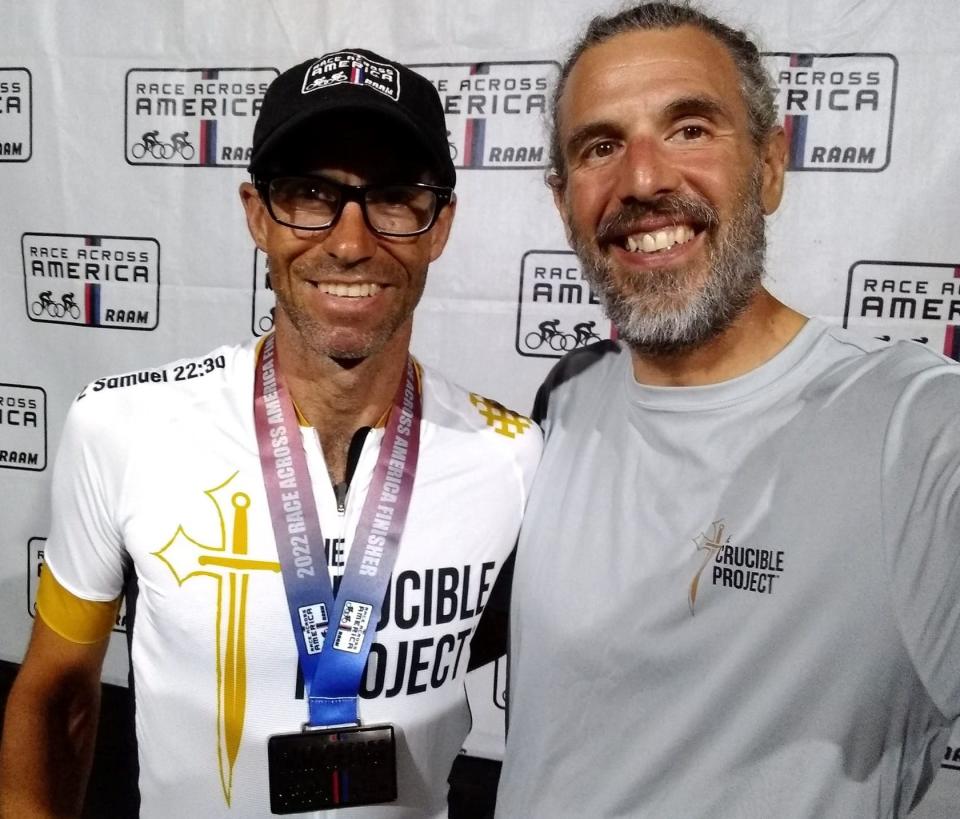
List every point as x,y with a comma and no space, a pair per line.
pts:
229,565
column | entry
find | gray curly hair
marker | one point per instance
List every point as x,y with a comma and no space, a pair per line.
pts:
755,83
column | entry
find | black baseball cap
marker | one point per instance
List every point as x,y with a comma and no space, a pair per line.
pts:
353,80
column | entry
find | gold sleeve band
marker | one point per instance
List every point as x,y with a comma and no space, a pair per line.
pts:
72,617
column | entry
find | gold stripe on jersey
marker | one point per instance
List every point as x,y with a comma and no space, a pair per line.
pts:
73,618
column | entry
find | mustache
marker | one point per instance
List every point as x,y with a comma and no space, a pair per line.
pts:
682,208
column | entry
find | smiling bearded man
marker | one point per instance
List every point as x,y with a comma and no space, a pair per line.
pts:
668,310
709,617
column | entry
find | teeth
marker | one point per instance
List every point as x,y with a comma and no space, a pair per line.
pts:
352,291
659,240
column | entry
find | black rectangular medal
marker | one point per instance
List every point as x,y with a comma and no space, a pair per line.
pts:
327,768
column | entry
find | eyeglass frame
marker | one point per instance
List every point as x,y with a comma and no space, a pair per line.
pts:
355,193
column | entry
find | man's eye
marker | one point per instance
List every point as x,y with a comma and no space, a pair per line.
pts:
316,193
599,150
691,132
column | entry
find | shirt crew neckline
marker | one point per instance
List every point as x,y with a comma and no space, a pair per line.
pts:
732,391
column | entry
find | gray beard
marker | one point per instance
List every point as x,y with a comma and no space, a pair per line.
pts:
653,311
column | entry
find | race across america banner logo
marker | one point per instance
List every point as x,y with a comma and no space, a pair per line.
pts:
906,300
16,115
92,281
23,427
557,311
193,116
837,109
494,111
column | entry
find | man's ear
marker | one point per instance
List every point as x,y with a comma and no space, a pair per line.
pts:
440,231
774,170
256,212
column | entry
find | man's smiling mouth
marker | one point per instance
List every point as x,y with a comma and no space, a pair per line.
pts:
657,240
354,290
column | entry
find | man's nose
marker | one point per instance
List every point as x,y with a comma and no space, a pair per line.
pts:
648,170
350,240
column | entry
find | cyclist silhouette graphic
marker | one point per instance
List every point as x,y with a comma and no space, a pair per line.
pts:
149,143
69,305
549,331
152,144
583,333
181,145
55,309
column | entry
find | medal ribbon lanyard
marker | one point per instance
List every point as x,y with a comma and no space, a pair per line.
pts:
333,659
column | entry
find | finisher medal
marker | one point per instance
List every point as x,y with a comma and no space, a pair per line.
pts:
332,768
334,762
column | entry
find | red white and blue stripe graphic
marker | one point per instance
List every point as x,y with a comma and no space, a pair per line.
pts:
91,304
795,125
208,142
91,292
951,339
475,136
357,74
207,152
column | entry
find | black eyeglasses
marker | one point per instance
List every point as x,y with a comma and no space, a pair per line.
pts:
315,203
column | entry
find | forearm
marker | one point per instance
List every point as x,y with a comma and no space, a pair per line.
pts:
47,749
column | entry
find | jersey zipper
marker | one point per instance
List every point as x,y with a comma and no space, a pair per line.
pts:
341,490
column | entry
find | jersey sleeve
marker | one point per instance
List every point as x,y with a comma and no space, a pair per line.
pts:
72,617
85,550
921,526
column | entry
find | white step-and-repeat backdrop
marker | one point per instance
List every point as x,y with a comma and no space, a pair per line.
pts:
119,252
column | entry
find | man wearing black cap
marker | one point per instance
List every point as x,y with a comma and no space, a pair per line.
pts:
277,669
